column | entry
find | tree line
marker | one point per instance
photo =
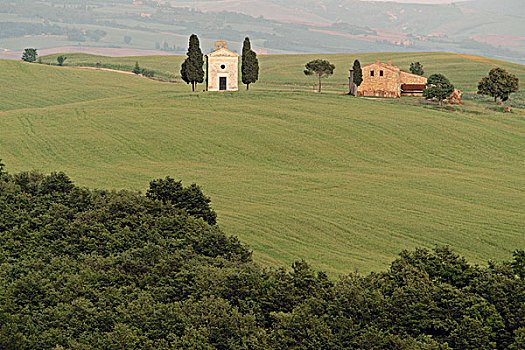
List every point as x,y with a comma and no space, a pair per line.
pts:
99,269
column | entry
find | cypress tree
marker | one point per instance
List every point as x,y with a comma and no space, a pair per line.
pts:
192,69
250,64
358,73
137,69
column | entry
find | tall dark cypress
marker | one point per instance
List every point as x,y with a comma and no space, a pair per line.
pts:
250,64
192,70
358,73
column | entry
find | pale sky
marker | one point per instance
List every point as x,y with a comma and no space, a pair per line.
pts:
422,1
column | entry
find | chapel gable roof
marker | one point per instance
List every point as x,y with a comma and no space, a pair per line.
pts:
223,52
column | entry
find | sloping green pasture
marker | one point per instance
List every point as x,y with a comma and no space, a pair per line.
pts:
286,71
345,183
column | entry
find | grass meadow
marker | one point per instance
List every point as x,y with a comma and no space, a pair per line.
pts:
286,71
343,182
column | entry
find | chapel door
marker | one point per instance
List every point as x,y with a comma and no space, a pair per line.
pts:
222,83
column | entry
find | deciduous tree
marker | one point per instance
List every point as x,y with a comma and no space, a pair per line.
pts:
2,165
61,60
438,87
29,55
190,198
498,84
518,264
321,68
416,68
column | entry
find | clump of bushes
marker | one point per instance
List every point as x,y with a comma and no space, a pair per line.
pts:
143,71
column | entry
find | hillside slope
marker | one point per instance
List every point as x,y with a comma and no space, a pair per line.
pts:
34,86
286,71
345,183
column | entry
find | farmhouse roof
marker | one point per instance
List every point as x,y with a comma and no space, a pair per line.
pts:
390,67
385,65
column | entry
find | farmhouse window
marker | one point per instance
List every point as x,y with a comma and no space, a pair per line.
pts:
381,73
371,73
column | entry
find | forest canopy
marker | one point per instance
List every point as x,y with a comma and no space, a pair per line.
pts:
96,269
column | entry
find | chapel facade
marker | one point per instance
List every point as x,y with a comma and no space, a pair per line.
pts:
386,80
222,73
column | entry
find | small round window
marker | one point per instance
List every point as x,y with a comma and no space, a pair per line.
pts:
223,66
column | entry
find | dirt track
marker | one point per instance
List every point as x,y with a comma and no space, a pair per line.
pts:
105,70
102,51
127,73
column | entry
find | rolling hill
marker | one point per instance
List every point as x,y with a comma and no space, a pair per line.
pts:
345,183
286,71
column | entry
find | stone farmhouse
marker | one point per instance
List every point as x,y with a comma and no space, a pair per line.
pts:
222,72
386,80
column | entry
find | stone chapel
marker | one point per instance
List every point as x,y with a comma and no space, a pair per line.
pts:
222,73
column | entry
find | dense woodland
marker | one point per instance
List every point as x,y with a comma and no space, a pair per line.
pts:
96,269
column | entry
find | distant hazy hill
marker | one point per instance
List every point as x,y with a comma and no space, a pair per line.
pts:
481,27
512,8
411,18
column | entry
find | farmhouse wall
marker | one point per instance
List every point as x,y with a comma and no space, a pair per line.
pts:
385,80
379,80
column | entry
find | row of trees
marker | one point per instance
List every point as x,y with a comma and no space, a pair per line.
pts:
192,69
498,84
31,55
98,269
138,70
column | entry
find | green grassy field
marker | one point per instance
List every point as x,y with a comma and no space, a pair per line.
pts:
345,183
